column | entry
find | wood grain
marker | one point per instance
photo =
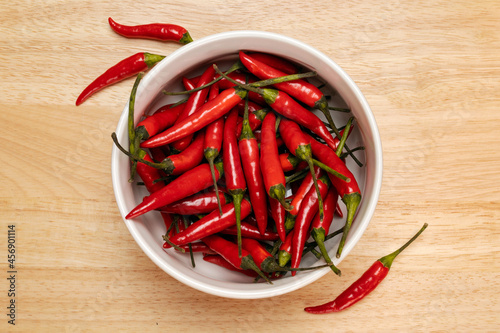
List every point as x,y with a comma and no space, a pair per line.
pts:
430,71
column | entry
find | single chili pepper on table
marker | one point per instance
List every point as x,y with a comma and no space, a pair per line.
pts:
189,183
229,251
365,284
156,31
194,102
250,161
213,139
321,227
200,203
206,114
126,68
348,192
211,223
308,210
233,172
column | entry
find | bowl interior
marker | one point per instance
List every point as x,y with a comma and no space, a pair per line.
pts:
222,48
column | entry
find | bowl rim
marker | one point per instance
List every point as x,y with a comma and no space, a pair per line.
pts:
304,279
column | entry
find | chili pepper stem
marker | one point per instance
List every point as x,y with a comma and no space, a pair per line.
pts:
131,126
344,137
186,38
388,259
330,170
248,263
269,265
352,202
290,221
178,248
318,235
210,155
283,258
278,192
237,198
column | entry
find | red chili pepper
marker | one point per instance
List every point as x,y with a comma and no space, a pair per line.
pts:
188,83
349,192
278,214
250,231
206,114
274,178
250,161
309,208
233,172
213,139
289,162
298,198
320,228
163,118
241,78
189,183
365,284
276,62
255,120
126,68
211,223
229,251
194,102
199,203
149,175
298,144
197,247
219,260
156,31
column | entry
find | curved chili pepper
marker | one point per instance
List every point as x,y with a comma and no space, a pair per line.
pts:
200,203
219,260
365,284
124,69
213,139
211,223
189,183
298,144
349,192
275,62
309,208
164,117
250,161
230,251
156,31
250,231
234,175
285,250
188,83
321,227
194,102
206,114
274,178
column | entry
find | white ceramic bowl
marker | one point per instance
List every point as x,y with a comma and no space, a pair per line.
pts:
147,230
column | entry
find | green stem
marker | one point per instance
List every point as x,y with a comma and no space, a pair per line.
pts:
282,79
331,171
237,198
351,201
344,137
186,224
388,259
319,236
210,155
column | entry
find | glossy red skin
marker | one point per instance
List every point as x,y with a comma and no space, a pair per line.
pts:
256,249
209,112
292,135
214,131
199,203
211,223
149,174
253,121
269,157
327,156
356,292
197,247
305,186
302,90
250,161
242,78
164,117
126,68
289,108
228,250
188,83
194,102
233,172
275,62
250,231
287,166
189,183
278,213
189,157
309,208
156,31
168,220
219,260
286,245
329,209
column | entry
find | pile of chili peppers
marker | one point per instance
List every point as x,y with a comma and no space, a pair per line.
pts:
241,170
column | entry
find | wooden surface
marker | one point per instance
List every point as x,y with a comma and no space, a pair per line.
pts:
430,71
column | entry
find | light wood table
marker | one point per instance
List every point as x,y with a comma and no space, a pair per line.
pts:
431,74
